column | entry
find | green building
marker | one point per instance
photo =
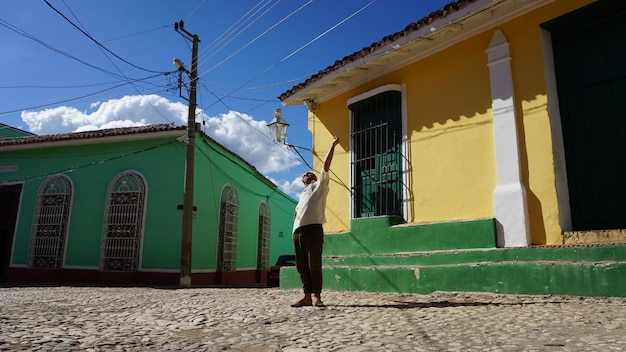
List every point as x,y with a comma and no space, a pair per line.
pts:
105,207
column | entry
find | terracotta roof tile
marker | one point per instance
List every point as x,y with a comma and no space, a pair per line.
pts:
412,27
120,132
89,134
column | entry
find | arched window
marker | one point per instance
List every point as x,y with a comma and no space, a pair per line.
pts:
123,224
47,240
228,227
263,235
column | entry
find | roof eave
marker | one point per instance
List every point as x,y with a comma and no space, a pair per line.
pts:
94,140
425,41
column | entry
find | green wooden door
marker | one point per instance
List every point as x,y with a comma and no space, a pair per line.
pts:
590,63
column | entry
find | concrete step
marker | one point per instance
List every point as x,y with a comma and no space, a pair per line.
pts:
594,236
588,270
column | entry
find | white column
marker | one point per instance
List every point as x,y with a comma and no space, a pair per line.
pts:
509,197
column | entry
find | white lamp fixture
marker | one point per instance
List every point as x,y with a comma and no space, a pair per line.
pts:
278,127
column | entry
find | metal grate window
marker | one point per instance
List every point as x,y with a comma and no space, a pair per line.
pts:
228,227
263,251
50,223
123,223
377,155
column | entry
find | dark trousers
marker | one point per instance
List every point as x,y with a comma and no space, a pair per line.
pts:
308,242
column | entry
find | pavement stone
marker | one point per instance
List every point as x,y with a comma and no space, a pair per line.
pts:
94,319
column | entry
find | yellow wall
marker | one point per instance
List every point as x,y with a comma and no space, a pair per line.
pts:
452,171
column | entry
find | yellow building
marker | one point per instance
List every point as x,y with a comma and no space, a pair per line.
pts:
488,124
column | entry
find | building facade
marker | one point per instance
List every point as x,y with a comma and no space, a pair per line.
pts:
105,207
485,125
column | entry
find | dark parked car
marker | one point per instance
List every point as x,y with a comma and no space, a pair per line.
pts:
273,275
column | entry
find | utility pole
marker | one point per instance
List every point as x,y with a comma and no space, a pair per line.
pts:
185,253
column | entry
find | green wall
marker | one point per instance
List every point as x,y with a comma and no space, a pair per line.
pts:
90,169
214,170
161,161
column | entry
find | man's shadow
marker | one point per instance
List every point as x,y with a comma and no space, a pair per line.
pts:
440,304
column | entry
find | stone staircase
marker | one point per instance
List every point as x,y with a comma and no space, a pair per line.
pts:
393,263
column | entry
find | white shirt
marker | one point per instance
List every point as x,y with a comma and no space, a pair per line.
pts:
311,208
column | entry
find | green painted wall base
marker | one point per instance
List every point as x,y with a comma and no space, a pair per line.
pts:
380,256
386,235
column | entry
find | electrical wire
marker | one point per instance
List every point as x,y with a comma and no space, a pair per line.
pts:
257,38
295,52
103,49
98,43
234,37
237,24
11,27
72,99
194,10
263,134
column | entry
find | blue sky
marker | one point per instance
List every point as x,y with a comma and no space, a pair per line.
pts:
55,78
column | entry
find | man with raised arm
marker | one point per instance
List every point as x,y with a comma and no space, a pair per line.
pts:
308,234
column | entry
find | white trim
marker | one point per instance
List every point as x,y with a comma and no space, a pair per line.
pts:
405,156
509,196
373,92
556,130
350,168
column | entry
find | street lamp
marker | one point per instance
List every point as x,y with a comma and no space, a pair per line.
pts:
278,127
278,132
180,65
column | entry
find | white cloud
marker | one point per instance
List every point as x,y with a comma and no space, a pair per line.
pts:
128,111
293,188
240,133
250,139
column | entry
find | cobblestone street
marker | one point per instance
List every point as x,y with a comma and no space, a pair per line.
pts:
260,319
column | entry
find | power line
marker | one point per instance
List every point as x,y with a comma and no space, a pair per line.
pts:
257,38
194,10
101,47
32,37
75,98
95,41
295,52
238,23
234,37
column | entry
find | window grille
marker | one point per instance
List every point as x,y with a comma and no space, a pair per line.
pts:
50,222
377,155
228,227
263,251
123,223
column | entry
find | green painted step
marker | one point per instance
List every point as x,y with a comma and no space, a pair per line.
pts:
597,253
581,271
